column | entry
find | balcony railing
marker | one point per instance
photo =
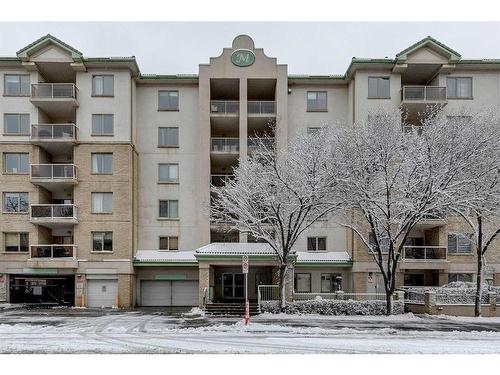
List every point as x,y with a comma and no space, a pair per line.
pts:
224,107
229,145
53,132
261,107
254,143
220,179
54,90
424,253
53,172
424,93
53,211
53,252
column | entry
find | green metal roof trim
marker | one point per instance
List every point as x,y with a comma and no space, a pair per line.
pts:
114,60
43,41
325,264
454,55
479,61
10,61
138,263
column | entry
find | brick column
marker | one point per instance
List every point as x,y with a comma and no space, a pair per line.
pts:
125,291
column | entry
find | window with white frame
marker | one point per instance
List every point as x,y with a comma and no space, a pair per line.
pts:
168,173
102,241
102,203
463,277
168,100
303,282
16,123
459,87
16,85
102,124
16,242
379,88
316,101
102,163
168,137
331,282
169,209
15,162
316,243
459,243
103,85
169,243
15,202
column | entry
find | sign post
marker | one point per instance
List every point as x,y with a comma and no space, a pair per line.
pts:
244,264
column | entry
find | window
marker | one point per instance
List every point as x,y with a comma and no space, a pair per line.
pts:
102,124
384,243
168,100
168,137
16,123
459,87
331,282
102,163
378,87
169,243
15,163
16,242
168,173
459,243
17,85
316,243
102,241
316,101
169,209
303,282
15,202
102,203
464,277
102,85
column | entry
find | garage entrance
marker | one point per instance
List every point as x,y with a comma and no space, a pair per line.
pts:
156,293
102,293
50,290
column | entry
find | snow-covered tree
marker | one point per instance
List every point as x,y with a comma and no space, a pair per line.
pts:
480,205
397,176
277,193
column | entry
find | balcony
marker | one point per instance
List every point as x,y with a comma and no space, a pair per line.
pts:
418,257
53,177
53,256
53,215
261,108
220,180
418,98
54,138
261,116
226,145
431,220
225,107
55,99
254,143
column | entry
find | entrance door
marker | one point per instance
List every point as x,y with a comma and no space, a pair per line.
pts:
233,286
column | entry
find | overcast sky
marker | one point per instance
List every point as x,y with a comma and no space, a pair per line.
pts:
311,48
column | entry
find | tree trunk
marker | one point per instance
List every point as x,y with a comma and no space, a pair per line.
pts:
282,286
479,279
388,301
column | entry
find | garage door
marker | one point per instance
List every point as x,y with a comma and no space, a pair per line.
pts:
169,293
102,293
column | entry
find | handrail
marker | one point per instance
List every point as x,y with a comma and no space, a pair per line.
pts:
424,93
54,90
52,251
227,144
53,131
425,253
53,211
224,107
53,171
267,107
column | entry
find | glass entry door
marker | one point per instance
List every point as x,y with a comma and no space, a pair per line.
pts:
233,285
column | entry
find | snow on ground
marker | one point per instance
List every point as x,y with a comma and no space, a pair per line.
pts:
94,331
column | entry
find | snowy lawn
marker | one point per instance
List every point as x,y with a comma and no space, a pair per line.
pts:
94,331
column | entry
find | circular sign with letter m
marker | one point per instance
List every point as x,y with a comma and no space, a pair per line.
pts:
242,57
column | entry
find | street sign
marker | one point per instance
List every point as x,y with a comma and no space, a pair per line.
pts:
244,263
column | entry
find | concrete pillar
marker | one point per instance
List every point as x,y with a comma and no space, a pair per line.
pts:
204,281
430,303
4,286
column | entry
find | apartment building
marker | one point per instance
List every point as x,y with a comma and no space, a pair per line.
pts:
106,172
